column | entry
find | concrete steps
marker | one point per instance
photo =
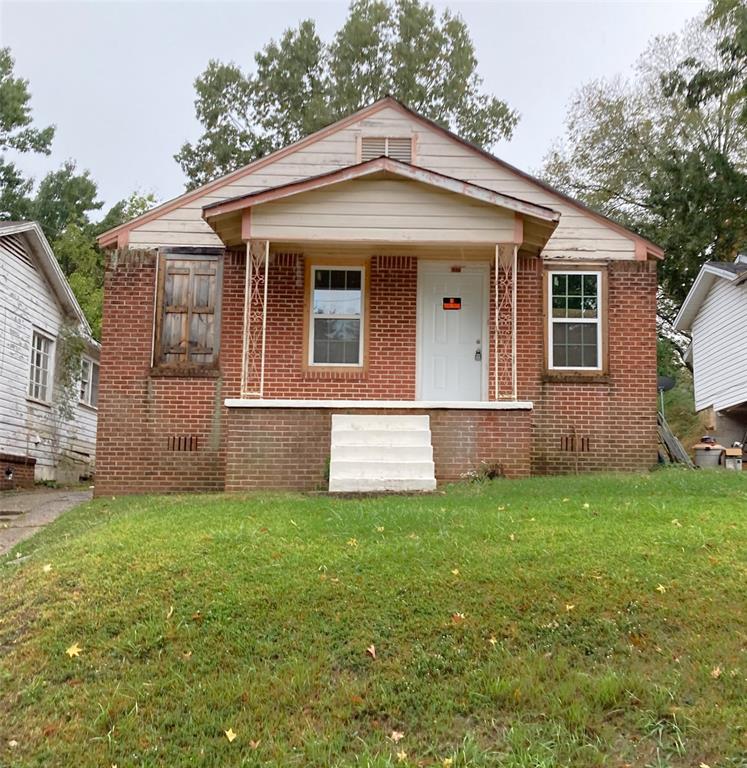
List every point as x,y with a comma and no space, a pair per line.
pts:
381,453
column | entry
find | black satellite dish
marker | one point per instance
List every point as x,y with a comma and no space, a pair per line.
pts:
665,383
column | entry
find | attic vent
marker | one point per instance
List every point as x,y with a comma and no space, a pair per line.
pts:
386,146
181,443
14,245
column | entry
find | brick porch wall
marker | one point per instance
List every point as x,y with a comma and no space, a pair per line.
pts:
23,471
290,447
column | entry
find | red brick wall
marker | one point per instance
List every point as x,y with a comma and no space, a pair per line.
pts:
138,412
23,471
290,447
390,374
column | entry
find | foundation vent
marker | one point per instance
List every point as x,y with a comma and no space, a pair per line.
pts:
181,443
575,444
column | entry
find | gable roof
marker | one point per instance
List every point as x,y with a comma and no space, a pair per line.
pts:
50,268
390,166
734,272
118,235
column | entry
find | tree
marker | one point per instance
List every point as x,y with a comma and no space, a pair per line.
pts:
648,154
17,134
301,84
131,207
65,197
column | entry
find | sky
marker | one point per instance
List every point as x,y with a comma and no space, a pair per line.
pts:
116,78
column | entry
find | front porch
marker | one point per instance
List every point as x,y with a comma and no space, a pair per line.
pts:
385,290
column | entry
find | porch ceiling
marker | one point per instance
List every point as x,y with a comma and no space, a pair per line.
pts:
384,202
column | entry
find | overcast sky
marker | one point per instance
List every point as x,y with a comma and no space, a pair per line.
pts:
117,78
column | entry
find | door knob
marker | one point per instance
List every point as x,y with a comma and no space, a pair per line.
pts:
478,355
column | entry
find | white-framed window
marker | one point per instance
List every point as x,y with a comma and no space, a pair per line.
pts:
89,382
398,148
575,320
336,323
40,373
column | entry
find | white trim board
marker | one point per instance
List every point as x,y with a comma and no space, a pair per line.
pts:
457,405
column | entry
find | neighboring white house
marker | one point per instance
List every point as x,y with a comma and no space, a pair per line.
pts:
41,419
715,314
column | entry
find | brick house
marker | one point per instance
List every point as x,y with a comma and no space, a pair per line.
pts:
379,305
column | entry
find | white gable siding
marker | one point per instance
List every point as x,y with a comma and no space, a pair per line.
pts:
719,349
578,235
27,303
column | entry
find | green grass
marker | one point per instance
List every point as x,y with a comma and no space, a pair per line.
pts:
276,597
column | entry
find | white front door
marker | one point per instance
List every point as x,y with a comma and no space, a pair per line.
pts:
452,331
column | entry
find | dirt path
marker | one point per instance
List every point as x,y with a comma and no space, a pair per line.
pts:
23,513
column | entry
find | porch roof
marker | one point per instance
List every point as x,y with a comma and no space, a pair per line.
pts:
382,200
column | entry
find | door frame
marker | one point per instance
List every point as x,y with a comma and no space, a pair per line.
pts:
441,266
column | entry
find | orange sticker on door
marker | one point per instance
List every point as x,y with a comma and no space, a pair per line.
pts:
452,302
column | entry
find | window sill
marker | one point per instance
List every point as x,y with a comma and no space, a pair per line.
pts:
184,372
36,401
88,406
322,373
576,377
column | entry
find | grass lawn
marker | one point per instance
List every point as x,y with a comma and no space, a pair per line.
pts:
550,622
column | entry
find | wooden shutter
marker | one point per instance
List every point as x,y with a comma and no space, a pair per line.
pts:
189,315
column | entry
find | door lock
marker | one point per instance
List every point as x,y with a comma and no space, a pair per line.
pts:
478,355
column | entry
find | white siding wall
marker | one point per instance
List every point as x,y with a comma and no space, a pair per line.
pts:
26,303
384,210
719,348
577,236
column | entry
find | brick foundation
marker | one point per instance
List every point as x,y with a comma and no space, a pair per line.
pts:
290,447
22,467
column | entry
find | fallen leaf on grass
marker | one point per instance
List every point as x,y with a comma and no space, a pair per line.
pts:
380,529
493,640
353,543
661,588
586,505
12,743
47,568
73,650
197,617
569,606
455,571
447,762
677,523
401,756
457,618
512,537
187,654
230,735
716,672
396,736
254,744
170,612
371,651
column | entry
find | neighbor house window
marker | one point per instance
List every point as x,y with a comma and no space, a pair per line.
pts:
89,382
336,327
575,332
386,146
187,331
40,385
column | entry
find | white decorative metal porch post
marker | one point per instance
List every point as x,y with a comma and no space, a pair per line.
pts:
255,318
504,332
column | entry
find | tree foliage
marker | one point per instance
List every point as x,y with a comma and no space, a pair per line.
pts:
301,84
665,152
17,134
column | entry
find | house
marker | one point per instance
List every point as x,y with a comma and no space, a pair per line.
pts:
714,313
379,305
49,366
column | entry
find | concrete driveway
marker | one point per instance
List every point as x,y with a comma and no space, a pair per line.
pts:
23,513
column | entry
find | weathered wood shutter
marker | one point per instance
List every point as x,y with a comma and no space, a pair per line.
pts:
189,327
